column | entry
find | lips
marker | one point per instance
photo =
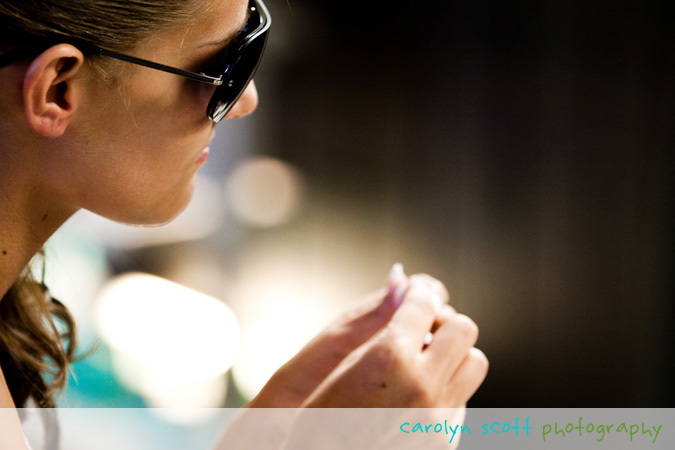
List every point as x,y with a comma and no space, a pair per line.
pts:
203,155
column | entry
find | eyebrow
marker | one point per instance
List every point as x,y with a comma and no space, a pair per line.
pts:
230,37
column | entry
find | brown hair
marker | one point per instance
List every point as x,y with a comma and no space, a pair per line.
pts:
34,354
34,351
114,24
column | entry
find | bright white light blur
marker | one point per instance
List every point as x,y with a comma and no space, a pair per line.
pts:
170,390
170,344
76,268
266,345
264,192
280,309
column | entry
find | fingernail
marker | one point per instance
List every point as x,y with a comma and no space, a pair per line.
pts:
396,277
438,301
396,274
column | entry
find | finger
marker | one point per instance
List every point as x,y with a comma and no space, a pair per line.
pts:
452,339
360,322
416,315
445,310
434,284
444,313
468,377
397,277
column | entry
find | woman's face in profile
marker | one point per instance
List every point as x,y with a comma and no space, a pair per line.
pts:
133,153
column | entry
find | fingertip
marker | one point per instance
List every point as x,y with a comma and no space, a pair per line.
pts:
468,327
469,376
481,361
396,274
397,285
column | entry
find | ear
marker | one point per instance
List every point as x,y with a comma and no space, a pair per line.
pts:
50,91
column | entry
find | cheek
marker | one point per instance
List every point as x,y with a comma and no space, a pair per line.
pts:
166,100
197,95
167,121
144,183
138,162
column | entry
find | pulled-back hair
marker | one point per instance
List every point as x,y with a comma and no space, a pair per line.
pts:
114,24
34,351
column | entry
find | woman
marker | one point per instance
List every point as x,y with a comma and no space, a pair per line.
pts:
110,105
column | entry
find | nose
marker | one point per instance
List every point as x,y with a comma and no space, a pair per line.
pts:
246,104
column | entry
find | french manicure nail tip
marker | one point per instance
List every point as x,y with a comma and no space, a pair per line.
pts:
396,277
396,273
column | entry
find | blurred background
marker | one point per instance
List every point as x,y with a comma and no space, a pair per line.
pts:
521,152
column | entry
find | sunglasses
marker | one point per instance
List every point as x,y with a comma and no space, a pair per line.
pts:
240,62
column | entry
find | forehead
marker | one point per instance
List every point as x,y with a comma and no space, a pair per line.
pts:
218,21
214,24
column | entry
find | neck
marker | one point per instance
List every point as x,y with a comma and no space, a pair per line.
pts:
27,219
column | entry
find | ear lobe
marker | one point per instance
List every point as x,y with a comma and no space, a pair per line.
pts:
49,89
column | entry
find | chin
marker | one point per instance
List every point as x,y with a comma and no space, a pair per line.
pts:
161,212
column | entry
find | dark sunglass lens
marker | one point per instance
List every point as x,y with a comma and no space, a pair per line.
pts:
237,78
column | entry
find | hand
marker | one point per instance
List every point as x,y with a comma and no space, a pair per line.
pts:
376,355
290,386
396,368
